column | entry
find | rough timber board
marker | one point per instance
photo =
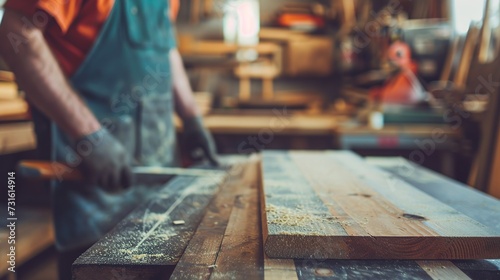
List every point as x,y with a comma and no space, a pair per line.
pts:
334,205
227,243
146,244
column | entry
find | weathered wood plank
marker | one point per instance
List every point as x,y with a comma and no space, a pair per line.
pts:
442,270
200,256
466,200
147,245
279,269
227,244
240,255
334,205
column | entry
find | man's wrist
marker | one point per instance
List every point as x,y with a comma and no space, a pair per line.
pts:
194,123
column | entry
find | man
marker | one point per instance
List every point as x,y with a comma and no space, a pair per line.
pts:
108,75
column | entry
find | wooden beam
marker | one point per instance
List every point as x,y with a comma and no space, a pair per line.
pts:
448,65
333,205
485,34
466,58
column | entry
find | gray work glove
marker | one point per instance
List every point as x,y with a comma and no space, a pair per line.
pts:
105,162
199,141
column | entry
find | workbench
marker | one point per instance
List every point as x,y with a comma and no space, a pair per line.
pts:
222,235
418,142
286,129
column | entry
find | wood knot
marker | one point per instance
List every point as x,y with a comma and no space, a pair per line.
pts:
414,217
323,272
361,194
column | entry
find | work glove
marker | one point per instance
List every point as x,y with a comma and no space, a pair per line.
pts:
105,162
199,141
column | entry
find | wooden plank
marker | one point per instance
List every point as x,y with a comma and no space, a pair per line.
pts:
466,57
17,137
280,122
378,269
8,90
279,269
334,198
17,106
442,270
147,245
485,34
240,254
227,244
464,199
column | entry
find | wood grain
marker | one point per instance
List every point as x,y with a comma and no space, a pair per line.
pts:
227,244
442,270
333,205
147,245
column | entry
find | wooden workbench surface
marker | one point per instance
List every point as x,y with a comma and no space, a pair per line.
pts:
421,130
279,121
227,244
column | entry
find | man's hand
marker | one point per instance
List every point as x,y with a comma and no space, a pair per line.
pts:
106,162
199,141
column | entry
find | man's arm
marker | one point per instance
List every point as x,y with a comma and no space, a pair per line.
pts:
185,104
39,74
197,138
46,87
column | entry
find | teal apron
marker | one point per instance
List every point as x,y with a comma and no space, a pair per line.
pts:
126,82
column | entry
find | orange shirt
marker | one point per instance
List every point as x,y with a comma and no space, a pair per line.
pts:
72,26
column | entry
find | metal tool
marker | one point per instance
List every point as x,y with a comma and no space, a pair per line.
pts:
44,170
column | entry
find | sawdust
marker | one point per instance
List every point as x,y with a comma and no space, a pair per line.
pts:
154,217
140,257
291,217
129,254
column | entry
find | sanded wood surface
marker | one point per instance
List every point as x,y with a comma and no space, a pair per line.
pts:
147,244
334,205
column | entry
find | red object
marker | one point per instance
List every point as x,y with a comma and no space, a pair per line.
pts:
388,141
400,54
294,20
404,88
